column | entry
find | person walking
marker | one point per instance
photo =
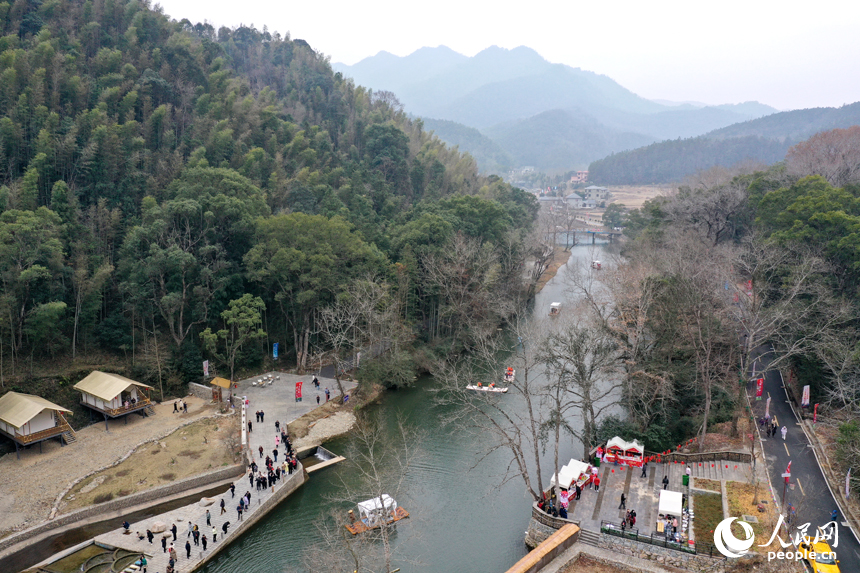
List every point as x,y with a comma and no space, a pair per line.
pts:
224,527
262,416
249,426
185,406
187,550
784,431
214,535
173,531
208,517
149,535
318,399
176,407
196,533
232,490
275,453
222,507
327,394
645,469
834,516
665,482
596,483
261,452
204,542
190,529
164,545
239,512
623,502
277,426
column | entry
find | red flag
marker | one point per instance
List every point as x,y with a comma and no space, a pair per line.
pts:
298,390
788,468
759,387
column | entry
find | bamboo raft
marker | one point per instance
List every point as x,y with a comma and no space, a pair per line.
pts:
360,526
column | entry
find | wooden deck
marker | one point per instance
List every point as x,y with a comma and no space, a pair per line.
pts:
361,527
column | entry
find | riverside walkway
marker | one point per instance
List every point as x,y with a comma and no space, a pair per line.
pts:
277,400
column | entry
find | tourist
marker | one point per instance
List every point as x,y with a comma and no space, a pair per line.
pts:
214,535
164,545
562,513
773,428
249,426
784,431
675,525
196,535
316,382
632,517
190,529
172,552
187,550
689,473
318,399
623,525
277,426
126,525
623,502
262,416
261,452
208,517
149,535
140,536
222,507
142,563
185,406
275,453
173,531
665,482
327,394
224,527
834,516
645,469
204,543
251,477
232,490
578,492
596,483
239,511
176,407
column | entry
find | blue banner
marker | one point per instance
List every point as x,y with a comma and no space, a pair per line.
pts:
275,350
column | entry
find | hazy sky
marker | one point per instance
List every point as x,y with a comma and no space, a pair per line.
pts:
785,54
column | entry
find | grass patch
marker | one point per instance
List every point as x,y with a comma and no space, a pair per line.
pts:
741,497
708,484
196,448
123,493
103,497
709,512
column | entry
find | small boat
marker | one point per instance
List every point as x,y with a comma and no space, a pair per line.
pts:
509,374
597,265
490,388
374,513
555,309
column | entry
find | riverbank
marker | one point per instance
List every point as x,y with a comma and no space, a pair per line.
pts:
277,400
559,259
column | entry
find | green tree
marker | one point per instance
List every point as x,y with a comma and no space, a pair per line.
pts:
243,321
614,216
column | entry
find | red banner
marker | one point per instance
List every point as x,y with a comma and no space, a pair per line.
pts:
298,390
815,415
759,387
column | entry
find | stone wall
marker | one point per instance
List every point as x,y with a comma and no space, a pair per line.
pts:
201,391
661,555
127,501
542,526
290,485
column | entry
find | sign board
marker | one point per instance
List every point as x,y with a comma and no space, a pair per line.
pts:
786,475
275,350
206,369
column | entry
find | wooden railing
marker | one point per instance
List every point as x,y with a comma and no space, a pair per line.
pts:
49,433
702,457
140,404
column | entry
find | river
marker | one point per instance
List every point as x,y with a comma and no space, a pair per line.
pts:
461,520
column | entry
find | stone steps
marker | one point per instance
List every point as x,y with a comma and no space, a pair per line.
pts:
589,537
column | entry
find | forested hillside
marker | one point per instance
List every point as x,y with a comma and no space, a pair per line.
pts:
764,140
153,173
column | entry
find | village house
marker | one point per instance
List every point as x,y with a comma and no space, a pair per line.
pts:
114,396
597,193
28,419
580,177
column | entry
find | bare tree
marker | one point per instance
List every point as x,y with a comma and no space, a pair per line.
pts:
490,416
378,463
834,155
582,367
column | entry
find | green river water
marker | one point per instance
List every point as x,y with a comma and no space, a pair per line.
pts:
461,520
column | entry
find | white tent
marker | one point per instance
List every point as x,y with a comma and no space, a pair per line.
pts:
570,473
671,502
373,508
624,445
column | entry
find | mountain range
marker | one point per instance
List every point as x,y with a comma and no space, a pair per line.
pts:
511,108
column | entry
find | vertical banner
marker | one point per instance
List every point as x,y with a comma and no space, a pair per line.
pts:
767,408
848,483
815,414
759,388
206,369
804,402
298,391
275,350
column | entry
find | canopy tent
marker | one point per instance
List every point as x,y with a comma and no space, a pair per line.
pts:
374,507
617,443
671,502
106,386
222,382
570,473
17,409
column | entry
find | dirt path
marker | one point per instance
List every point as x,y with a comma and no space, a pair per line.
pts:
33,483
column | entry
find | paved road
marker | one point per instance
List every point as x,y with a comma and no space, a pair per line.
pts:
809,495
